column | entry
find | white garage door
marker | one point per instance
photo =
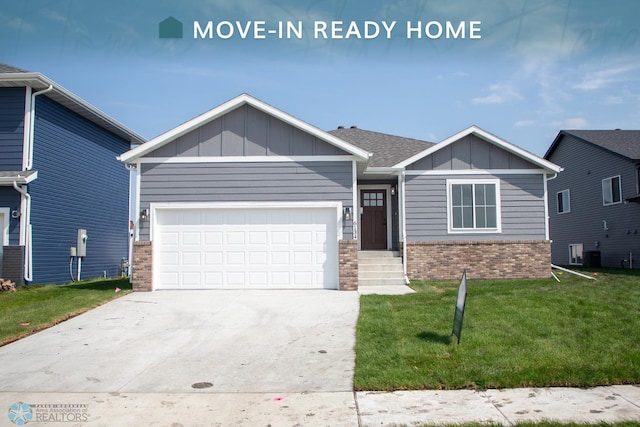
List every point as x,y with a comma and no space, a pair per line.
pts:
245,248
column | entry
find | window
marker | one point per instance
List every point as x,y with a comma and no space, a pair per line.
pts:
473,206
564,201
611,191
575,254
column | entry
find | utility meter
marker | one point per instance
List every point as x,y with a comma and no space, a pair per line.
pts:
82,242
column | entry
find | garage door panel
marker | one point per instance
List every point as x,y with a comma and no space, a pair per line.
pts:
250,248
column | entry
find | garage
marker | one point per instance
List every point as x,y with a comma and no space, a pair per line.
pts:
287,246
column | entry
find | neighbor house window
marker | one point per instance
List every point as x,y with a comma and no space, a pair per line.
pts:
611,191
473,206
564,201
575,254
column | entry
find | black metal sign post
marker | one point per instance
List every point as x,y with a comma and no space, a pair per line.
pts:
460,302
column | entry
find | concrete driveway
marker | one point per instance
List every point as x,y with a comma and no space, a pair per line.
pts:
165,342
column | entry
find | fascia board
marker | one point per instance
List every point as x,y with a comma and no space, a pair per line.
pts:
40,82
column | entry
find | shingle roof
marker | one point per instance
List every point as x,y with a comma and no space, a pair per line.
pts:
623,142
388,150
5,68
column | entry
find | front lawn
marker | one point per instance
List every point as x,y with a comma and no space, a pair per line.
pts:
33,308
516,333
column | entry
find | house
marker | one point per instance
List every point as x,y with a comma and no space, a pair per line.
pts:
58,175
594,210
246,195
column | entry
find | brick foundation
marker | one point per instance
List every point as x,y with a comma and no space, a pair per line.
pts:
142,271
348,269
503,259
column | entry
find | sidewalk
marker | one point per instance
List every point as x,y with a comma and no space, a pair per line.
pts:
507,407
334,409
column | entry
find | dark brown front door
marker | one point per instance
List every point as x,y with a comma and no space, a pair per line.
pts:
373,222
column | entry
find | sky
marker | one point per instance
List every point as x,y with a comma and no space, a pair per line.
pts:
539,66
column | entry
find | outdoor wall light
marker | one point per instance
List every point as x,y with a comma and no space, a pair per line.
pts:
393,190
347,213
15,213
144,214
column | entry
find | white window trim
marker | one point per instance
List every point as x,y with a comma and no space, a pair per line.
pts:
619,187
568,197
582,256
451,230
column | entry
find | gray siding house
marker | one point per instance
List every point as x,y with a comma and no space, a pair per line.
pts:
593,205
246,195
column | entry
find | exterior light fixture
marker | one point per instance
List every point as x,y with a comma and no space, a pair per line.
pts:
144,214
347,213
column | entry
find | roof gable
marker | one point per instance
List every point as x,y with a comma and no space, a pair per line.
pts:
625,143
245,131
233,110
488,138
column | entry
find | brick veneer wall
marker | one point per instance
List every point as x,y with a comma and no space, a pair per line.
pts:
503,259
348,269
142,272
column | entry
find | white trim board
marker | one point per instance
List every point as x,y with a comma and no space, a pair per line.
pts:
244,159
477,172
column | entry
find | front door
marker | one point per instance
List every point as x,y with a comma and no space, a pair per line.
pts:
373,221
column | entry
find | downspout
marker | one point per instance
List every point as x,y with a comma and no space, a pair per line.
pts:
25,232
547,234
31,125
403,217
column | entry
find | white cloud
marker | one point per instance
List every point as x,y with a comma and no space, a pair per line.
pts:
613,100
603,78
572,123
16,23
524,123
501,93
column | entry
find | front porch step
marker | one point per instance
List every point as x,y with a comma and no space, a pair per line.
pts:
381,282
378,254
380,268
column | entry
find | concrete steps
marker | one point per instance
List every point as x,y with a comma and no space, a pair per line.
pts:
380,268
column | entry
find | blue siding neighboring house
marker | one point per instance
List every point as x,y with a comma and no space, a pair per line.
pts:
594,203
59,173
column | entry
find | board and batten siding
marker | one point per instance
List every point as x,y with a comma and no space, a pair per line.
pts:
80,184
471,152
11,128
585,166
246,131
522,208
310,181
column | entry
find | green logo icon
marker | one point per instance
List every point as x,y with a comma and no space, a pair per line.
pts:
170,28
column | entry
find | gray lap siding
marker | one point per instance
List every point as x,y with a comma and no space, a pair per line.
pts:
246,182
522,208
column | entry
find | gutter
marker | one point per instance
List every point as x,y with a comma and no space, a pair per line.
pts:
25,232
31,127
403,217
547,233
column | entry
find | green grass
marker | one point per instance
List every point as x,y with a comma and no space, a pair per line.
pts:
516,333
45,306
